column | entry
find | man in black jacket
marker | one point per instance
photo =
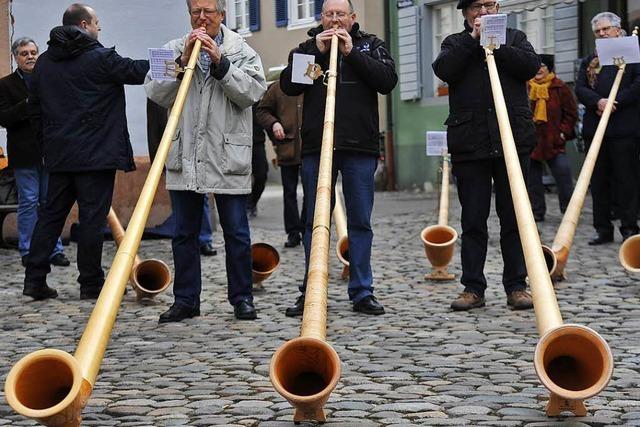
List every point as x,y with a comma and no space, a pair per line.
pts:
77,106
365,69
615,175
473,140
25,156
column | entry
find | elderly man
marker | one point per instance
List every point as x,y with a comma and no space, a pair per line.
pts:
25,155
614,181
365,69
211,153
473,140
77,106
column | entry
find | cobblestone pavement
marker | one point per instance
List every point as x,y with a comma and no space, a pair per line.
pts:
420,364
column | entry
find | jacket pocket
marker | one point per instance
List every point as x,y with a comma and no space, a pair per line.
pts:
460,133
174,158
523,127
236,154
285,150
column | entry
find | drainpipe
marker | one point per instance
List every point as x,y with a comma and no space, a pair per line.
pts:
389,157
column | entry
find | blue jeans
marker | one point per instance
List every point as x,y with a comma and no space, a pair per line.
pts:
206,234
187,208
32,192
357,170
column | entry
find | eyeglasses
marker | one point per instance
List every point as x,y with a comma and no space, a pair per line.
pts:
207,12
334,15
476,7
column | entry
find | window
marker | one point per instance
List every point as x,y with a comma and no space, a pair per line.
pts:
301,13
243,16
538,25
446,20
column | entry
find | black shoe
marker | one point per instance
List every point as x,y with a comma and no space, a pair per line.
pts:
179,312
601,238
24,260
39,292
252,211
207,250
293,240
90,292
369,305
244,310
626,233
60,260
296,309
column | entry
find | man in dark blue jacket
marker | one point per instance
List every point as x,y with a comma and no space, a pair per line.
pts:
615,175
365,69
77,106
473,140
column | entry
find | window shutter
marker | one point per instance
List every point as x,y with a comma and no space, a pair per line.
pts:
318,8
282,13
230,16
409,53
254,15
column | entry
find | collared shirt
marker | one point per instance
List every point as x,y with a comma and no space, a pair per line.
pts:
26,77
204,61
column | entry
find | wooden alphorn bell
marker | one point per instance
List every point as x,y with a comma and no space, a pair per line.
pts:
342,245
572,361
265,259
52,386
305,370
439,240
149,277
564,237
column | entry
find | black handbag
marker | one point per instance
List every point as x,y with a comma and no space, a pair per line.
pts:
8,191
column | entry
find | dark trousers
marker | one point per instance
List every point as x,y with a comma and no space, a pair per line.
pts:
358,187
615,182
187,285
293,219
561,172
259,168
93,192
474,180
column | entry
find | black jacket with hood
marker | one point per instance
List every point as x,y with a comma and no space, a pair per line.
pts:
365,72
77,103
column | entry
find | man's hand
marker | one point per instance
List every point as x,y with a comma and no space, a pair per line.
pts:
476,29
323,40
345,42
278,131
208,45
602,104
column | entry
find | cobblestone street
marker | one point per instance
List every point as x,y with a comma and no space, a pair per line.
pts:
419,364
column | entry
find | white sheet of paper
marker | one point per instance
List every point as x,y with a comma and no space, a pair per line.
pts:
493,29
158,60
621,47
300,64
436,143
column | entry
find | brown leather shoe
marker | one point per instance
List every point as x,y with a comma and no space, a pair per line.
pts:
467,301
519,300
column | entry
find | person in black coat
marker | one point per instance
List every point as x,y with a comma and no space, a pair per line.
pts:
77,106
365,69
25,156
473,140
615,176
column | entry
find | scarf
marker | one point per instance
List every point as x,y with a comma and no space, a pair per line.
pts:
539,92
593,69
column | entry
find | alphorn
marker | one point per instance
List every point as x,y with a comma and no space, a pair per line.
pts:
149,277
52,386
564,237
265,259
342,246
439,240
305,370
572,361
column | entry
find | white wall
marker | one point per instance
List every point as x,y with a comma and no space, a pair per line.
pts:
131,25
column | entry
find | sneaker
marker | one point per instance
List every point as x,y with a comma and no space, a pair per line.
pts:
60,260
467,301
519,300
296,309
369,305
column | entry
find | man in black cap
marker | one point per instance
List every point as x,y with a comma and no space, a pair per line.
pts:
473,140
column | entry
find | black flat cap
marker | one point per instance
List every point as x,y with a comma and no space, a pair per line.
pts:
463,4
547,60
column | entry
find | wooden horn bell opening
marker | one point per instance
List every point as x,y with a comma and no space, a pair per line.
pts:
439,244
265,259
629,254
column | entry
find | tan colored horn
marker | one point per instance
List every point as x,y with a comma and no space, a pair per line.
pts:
52,386
265,259
629,254
439,240
342,246
149,277
572,361
305,370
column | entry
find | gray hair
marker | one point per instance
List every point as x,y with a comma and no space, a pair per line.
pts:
22,41
221,5
351,9
610,16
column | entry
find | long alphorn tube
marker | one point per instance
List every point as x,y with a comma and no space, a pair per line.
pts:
564,237
342,246
52,386
149,277
306,369
439,240
572,361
